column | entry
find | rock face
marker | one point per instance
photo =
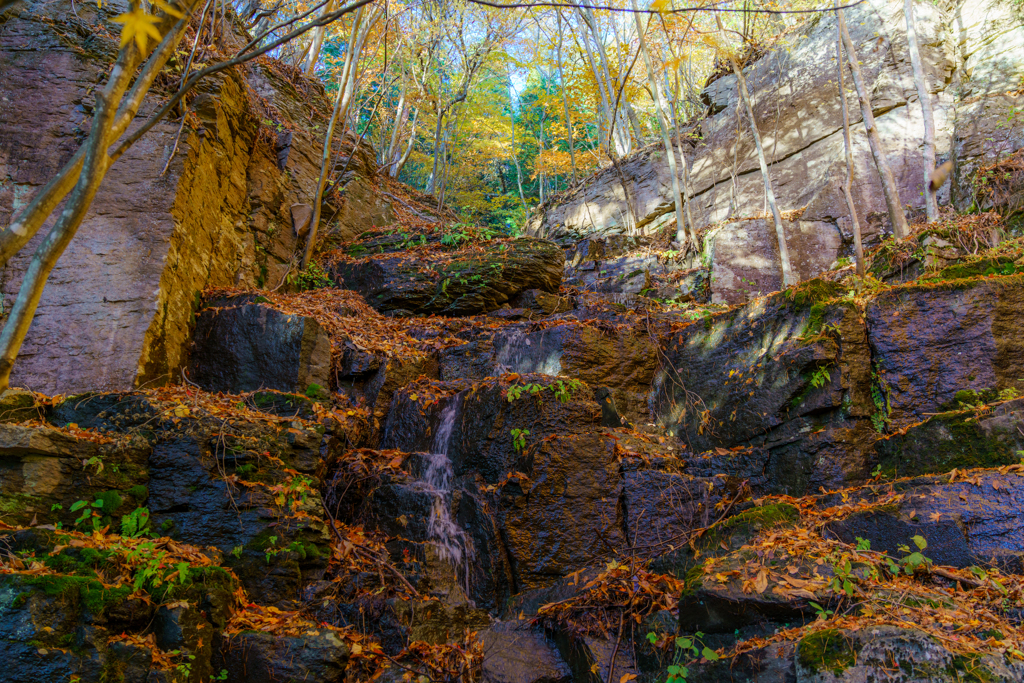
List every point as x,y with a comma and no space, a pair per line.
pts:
121,298
244,345
465,283
970,54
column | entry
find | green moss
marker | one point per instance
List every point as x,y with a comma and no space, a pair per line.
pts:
987,266
17,503
749,522
20,599
815,292
111,502
93,595
970,668
827,650
139,493
946,442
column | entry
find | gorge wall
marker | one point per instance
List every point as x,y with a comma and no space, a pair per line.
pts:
974,61
165,224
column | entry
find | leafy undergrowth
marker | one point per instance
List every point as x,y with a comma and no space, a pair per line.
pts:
970,611
104,570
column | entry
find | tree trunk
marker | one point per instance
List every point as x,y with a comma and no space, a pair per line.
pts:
397,166
931,207
666,136
848,182
565,102
900,229
317,41
787,270
346,90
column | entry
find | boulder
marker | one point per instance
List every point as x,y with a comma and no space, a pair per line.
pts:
466,282
45,472
243,344
516,653
254,657
155,237
567,514
928,343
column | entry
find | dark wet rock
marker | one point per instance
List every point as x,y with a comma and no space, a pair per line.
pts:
568,514
254,657
662,508
481,439
44,472
785,373
847,656
931,342
271,551
590,658
973,520
990,437
516,653
466,282
243,344
104,411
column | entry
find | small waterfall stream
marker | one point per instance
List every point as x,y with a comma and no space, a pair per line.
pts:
444,533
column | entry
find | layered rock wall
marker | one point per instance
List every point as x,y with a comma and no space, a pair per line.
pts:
117,309
973,61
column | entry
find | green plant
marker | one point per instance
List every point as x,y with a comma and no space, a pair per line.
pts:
89,512
913,560
222,676
237,551
270,549
519,438
821,613
313,277
135,523
883,406
820,377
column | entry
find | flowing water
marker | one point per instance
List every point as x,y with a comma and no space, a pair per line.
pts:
448,538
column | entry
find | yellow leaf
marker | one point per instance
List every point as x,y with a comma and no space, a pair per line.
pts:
138,26
414,397
356,648
594,668
627,677
181,411
168,9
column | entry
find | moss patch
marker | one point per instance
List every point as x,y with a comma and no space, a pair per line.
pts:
749,522
827,650
94,596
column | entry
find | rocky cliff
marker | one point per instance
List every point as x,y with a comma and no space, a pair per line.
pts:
972,58
174,216
460,456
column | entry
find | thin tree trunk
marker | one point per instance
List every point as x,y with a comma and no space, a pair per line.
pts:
666,136
397,167
346,88
432,181
848,182
565,102
317,41
787,270
931,207
900,229
400,115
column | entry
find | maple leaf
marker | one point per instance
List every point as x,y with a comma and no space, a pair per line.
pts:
138,26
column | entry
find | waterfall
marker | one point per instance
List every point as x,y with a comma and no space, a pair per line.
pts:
448,538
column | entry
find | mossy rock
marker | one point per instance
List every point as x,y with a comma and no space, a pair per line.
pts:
960,440
828,650
92,595
742,527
